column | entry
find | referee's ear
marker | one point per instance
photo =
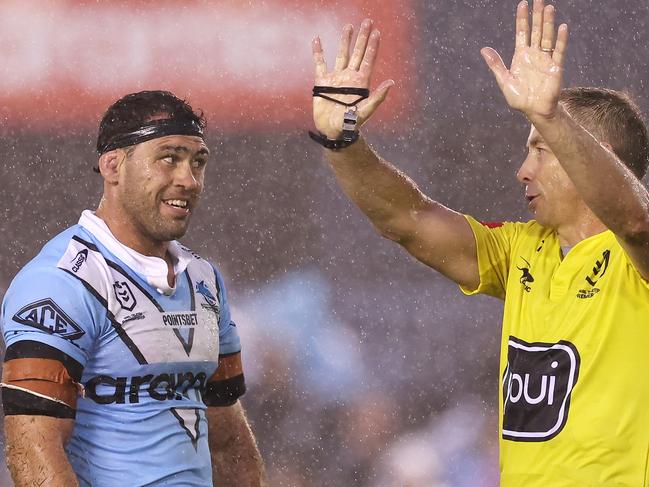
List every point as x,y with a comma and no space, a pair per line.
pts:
109,163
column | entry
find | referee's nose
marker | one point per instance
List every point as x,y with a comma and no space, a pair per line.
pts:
528,168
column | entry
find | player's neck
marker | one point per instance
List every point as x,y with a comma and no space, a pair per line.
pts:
130,235
580,228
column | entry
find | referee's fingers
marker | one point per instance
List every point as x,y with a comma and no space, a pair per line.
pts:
495,63
367,107
342,58
361,44
318,58
370,54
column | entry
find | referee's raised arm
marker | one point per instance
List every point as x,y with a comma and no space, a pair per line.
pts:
437,236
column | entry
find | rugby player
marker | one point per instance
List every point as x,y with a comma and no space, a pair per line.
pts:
123,364
574,280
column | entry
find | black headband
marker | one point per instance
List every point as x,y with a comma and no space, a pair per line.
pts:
153,130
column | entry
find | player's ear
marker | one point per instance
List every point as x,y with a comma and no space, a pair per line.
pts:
109,164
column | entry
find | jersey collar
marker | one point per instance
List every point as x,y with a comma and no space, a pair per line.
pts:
152,269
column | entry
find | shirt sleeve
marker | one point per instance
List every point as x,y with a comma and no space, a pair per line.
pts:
229,341
47,306
494,242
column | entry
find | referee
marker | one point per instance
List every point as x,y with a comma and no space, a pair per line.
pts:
574,280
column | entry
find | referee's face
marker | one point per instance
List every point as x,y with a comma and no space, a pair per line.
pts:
161,183
549,192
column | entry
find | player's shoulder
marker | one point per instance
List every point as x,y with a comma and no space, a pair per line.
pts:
44,297
43,270
205,274
198,263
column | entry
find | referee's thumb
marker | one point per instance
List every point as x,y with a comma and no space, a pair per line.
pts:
367,108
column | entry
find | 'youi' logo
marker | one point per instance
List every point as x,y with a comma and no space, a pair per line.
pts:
537,385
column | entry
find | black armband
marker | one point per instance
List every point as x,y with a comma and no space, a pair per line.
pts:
224,393
16,401
38,379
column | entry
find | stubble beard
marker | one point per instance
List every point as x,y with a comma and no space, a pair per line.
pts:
145,216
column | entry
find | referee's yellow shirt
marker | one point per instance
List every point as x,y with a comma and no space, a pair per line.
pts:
574,357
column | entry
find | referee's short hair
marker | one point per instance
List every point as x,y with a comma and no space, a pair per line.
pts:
136,109
613,117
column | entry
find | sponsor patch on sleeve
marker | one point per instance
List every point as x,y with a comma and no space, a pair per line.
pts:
48,316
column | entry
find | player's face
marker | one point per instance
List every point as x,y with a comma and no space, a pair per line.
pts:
550,193
161,184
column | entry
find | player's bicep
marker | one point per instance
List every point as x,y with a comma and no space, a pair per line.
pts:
227,384
39,380
47,306
442,239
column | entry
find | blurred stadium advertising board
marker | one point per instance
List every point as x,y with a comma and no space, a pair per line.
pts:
247,64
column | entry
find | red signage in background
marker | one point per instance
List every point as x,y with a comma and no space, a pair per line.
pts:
247,64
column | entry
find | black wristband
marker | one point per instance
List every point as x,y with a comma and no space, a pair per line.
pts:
333,144
349,135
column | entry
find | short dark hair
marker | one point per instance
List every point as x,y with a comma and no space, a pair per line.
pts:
136,109
613,117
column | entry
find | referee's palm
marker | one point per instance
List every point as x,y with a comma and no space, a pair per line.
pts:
533,82
353,71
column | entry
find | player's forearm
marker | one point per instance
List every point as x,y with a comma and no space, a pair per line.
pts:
35,456
240,465
607,186
235,456
389,198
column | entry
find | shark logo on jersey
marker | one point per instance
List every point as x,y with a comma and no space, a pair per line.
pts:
79,259
124,295
46,315
211,303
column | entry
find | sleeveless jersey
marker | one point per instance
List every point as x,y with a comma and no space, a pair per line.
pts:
146,356
573,401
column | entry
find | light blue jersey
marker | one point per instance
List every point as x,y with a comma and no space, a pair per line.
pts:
147,351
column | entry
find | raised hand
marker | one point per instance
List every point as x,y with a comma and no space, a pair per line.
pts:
351,70
533,82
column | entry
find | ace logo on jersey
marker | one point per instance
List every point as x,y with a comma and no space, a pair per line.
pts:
46,315
537,384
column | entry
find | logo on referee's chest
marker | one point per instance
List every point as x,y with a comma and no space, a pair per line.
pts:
537,385
592,279
526,277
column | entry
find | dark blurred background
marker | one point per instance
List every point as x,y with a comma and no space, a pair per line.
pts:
365,368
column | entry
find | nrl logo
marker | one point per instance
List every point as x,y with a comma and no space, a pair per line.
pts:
599,269
124,295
